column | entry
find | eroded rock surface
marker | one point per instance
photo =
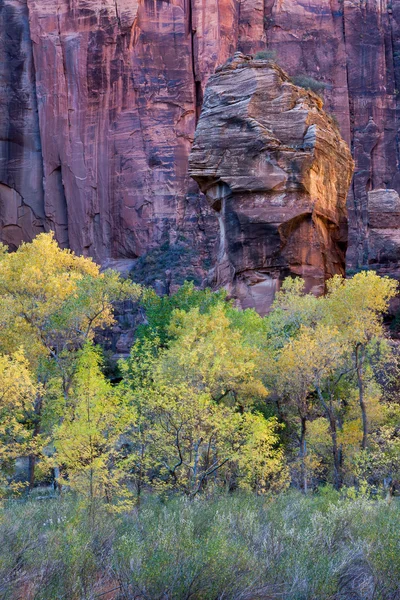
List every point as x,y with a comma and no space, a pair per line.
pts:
383,240
275,169
99,100
354,47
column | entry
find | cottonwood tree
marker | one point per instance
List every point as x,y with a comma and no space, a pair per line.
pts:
19,394
191,442
312,365
292,309
212,356
88,441
194,400
356,307
51,303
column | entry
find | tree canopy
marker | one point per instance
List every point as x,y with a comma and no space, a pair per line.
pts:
211,397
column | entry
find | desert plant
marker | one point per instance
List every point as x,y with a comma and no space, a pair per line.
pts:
309,83
322,546
265,55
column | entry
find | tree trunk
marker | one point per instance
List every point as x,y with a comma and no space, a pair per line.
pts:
57,485
336,453
330,415
36,431
303,452
361,393
31,471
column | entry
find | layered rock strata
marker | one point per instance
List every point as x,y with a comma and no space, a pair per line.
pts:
274,167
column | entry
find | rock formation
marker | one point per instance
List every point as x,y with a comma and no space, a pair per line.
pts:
99,101
276,170
354,47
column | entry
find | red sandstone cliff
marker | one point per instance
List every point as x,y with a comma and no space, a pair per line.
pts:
275,169
98,107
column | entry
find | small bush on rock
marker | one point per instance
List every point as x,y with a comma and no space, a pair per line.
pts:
265,55
309,83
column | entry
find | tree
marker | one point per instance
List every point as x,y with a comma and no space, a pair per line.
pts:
355,306
19,395
194,399
327,350
137,385
260,455
209,354
88,439
51,303
191,442
313,363
291,309
159,309
191,437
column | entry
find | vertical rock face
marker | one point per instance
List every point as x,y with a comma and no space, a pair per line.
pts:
21,192
116,109
383,232
275,168
99,101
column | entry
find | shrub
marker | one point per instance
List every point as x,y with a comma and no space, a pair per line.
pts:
309,83
236,546
265,55
177,258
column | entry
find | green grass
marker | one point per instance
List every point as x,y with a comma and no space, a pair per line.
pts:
321,547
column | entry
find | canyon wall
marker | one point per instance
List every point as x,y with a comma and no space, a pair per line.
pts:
99,101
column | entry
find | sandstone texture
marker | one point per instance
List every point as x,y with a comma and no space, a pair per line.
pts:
99,101
275,169
383,232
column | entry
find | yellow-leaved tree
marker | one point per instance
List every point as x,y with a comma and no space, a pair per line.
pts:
310,366
18,395
356,307
195,401
212,356
88,441
51,303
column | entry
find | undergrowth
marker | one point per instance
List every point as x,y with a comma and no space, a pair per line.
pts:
239,546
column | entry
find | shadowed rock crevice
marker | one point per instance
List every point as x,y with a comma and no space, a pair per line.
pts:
274,167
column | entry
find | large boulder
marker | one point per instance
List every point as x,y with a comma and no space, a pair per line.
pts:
275,169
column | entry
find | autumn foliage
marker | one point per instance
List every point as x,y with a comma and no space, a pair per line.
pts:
211,398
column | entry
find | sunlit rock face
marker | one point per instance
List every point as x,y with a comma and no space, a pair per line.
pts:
275,169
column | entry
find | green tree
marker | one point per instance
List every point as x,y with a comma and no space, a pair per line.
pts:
211,355
159,309
88,441
194,400
312,365
328,350
19,395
